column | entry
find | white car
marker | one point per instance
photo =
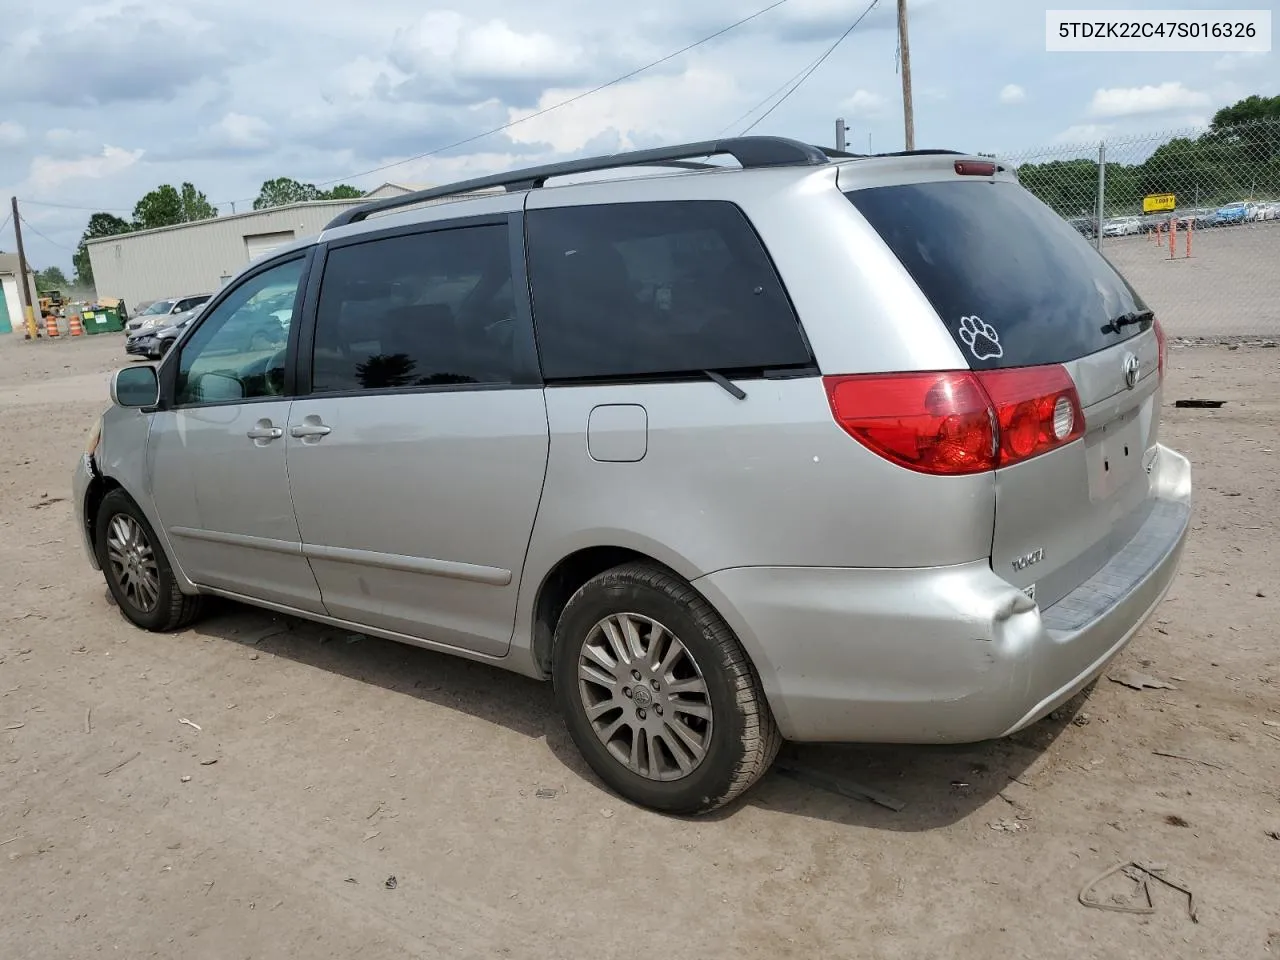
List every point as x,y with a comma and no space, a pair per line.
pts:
1122,227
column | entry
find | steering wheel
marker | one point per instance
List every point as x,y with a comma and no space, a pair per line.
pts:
276,361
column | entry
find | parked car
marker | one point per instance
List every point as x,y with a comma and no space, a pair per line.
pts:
1229,215
1150,222
1085,226
729,457
153,341
1122,226
161,311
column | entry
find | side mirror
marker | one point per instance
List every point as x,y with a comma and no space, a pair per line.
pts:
135,387
215,387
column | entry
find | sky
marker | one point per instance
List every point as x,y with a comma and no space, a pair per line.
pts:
101,102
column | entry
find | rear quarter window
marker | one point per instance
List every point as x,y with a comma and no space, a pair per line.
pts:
657,289
1013,282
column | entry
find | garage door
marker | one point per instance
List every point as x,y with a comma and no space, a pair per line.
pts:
260,244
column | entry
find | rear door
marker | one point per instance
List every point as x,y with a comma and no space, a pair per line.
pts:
417,456
1016,286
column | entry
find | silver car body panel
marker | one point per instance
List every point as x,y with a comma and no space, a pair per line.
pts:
464,469
942,654
225,500
876,603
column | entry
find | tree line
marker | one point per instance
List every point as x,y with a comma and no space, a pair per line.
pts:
1237,158
166,206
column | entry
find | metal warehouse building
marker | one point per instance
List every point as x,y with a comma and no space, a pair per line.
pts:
193,258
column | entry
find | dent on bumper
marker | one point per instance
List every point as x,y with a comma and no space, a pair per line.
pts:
947,654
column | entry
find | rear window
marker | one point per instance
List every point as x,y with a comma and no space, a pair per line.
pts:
656,289
1013,282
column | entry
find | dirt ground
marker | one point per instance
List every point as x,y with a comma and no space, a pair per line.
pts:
317,765
1227,288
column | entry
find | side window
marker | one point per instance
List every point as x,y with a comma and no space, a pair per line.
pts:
646,289
417,310
238,351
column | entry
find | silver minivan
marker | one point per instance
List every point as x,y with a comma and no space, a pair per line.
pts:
748,442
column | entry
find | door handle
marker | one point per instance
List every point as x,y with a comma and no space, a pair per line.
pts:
306,430
265,431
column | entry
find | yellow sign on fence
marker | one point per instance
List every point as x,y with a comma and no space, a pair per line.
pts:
1158,201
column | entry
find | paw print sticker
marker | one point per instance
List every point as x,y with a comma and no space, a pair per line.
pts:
981,338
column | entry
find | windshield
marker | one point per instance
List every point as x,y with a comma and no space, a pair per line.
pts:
160,306
1013,282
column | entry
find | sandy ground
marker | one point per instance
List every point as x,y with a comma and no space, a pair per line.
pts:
325,764
1227,288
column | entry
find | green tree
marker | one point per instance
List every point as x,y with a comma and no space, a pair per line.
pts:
165,206
195,205
51,278
1252,109
343,191
283,190
100,225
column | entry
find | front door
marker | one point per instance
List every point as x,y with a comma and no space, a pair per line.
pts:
217,452
416,462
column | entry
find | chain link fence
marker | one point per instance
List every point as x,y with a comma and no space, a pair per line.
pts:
1192,220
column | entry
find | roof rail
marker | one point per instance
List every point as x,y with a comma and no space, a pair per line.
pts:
750,152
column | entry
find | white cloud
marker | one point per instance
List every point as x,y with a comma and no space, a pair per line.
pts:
445,42
12,134
48,173
1084,133
863,105
1234,61
1012,93
241,131
1134,101
633,112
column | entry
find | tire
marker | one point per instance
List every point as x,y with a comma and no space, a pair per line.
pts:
125,541
726,737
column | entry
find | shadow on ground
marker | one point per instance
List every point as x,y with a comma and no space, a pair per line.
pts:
938,785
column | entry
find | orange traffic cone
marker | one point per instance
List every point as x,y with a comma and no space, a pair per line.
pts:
74,327
51,326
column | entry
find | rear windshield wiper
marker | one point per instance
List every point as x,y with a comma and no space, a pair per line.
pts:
1128,320
729,386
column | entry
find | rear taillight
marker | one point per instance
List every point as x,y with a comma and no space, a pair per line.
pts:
1037,409
1162,346
931,422
959,421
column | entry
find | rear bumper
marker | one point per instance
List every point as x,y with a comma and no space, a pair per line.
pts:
945,654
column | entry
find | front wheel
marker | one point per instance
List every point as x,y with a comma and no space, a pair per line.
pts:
658,694
138,573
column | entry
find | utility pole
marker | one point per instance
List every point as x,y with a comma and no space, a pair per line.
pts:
904,46
24,281
840,135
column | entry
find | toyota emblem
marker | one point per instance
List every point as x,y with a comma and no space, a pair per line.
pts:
1131,368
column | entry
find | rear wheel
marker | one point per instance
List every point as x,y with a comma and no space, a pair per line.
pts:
658,694
138,573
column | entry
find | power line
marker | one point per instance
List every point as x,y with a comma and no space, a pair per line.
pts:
785,84
7,218
27,223
511,123
822,59
563,103
68,206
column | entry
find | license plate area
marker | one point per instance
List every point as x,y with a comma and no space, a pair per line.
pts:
1115,455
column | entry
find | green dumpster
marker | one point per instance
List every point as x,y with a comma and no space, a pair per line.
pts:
101,320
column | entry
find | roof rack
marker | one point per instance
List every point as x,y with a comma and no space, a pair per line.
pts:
750,152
